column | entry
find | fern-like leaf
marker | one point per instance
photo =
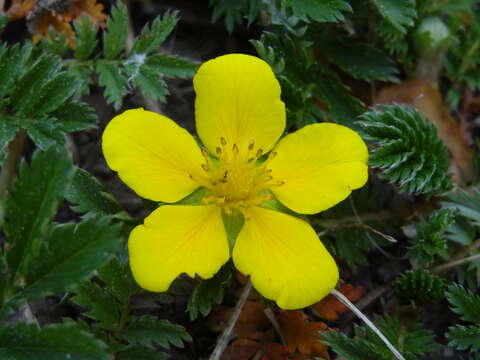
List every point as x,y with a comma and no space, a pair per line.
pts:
406,147
430,240
419,286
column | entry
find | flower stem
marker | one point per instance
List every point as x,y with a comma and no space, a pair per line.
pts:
344,300
227,333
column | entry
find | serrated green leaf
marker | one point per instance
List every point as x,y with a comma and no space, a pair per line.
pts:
467,203
86,39
90,197
119,280
171,66
320,10
464,337
12,65
69,254
430,239
8,130
401,13
346,347
366,345
337,97
65,341
54,93
75,116
464,303
44,131
140,353
33,202
154,35
111,77
208,293
361,60
101,306
151,84
148,331
115,36
57,44
83,74
27,91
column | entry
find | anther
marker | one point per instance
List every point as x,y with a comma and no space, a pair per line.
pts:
223,141
235,148
205,167
191,176
218,150
272,155
251,144
259,153
205,152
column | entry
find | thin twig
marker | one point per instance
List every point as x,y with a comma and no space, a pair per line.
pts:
271,316
454,263
227,333
344,300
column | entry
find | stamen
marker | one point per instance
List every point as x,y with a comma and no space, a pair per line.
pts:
251,144
235,148
259,153
205,167
218,151
272,155
223,141
205,152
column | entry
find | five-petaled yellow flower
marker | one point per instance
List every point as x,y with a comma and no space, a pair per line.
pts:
239,119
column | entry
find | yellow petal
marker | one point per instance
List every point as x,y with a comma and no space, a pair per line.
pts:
238,98
285,259
177,239
320,165
152,155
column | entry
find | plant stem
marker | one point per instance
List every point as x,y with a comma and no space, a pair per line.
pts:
344,300
227,333
455,263
9,169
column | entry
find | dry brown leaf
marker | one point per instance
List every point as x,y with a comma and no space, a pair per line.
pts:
19,9
245,349
427,99
241,349
301,335
61,22
252,322
53,22
330,308
90,8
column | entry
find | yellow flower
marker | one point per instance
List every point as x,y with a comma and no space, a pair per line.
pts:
239,119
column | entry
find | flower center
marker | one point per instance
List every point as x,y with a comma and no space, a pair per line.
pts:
238,180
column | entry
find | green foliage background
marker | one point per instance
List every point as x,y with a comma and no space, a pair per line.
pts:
411,229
